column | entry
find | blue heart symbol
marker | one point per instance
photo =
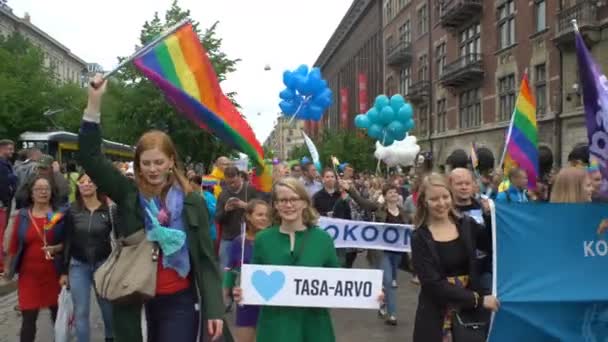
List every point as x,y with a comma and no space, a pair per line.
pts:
268,285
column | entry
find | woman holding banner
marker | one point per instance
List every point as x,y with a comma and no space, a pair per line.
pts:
293,240
444,248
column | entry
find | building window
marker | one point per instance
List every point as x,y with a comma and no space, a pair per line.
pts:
470,108
540,89
440,57
423,68
423,20
389,43
540,15
423,118
388,7
405,80
442,115
506,24
470,42
403,3
506,95
405,32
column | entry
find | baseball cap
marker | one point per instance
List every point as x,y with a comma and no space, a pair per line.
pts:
45,161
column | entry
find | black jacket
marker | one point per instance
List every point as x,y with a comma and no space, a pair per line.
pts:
8,183
435,291
230,221
324,202
87,235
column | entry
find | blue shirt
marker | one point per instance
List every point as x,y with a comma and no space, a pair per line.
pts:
512,194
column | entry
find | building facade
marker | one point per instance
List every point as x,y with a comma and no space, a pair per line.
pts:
352,63
67,66
285,136
460,63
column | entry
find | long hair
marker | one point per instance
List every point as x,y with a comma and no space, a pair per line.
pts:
79,201
251,205
157,139
309,215
569,186
422,209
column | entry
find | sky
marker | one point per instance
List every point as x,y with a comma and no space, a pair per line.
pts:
279,33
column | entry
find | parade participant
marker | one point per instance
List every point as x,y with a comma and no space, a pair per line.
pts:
572,185
187,277
87,244
296,171
196,182
295,240
326,199
444,246
309,179
47,167
8,187
279,171
231,206
257,218
516,192
218,174
32,247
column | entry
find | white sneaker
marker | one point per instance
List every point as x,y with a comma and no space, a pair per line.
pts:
394,284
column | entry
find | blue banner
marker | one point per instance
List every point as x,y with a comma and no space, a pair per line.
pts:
551,273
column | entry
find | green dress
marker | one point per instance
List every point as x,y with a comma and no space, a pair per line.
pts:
313,248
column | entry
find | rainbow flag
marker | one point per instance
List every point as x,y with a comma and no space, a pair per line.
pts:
179,66
522,139
53,219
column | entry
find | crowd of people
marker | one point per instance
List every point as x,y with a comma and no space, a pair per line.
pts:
62,225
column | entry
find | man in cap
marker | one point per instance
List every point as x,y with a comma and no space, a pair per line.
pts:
47,167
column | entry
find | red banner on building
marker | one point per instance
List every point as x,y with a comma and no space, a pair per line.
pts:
343,107
362,82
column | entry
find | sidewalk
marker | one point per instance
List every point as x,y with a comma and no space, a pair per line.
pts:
7,287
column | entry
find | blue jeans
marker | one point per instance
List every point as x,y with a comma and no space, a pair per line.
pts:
81,281
173,318
225,246
390,263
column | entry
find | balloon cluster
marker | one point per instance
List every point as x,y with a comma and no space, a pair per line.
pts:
400,153
388,120
306,95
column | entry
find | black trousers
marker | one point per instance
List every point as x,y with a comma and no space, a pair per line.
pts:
28,323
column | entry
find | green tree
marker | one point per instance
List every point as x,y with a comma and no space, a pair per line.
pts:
138,105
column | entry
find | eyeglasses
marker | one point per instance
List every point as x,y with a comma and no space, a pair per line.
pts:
291,201
38,190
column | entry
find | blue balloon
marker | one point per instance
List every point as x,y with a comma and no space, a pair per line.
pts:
302,70
287,94
288,79
374,116
300,82
395,129
397,101
314,81
288,108
381,102
409,125
375,131
323,100
314,112
362,121
405,113
387,115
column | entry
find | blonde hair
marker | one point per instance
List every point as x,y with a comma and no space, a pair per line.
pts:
422,210
569,186
309,215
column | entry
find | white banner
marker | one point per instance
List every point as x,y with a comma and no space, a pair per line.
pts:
310,286
368,235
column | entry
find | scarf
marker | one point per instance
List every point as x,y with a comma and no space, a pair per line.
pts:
164,224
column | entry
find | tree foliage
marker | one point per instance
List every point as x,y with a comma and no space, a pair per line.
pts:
137,105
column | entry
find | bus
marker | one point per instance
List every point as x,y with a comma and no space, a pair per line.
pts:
63,146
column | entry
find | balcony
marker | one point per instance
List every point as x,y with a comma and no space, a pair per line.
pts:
399,55
454,14
586,14
419,91
465,70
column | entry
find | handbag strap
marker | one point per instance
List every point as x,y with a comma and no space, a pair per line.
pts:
113,241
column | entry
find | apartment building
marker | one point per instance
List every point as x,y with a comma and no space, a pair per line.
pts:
285,136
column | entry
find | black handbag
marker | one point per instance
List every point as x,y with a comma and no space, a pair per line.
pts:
470,326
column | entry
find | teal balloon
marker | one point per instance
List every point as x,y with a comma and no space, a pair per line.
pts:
395,128
374,131
387,115
362,121
387,140
409,125
405,113
373,115
381,102
401,135
397,101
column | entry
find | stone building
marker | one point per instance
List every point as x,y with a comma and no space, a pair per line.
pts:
67,66
285,136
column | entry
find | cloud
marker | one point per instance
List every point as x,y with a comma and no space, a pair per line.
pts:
280,33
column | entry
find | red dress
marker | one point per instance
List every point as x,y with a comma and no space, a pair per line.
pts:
38,282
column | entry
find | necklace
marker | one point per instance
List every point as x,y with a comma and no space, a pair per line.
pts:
41,234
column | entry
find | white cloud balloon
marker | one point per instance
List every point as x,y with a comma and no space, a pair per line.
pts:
399,153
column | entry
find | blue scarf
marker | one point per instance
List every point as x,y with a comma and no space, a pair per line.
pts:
164,224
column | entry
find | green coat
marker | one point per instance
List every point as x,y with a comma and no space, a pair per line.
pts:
123,191
313,248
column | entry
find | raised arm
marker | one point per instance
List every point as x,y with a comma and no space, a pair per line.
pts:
108,179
